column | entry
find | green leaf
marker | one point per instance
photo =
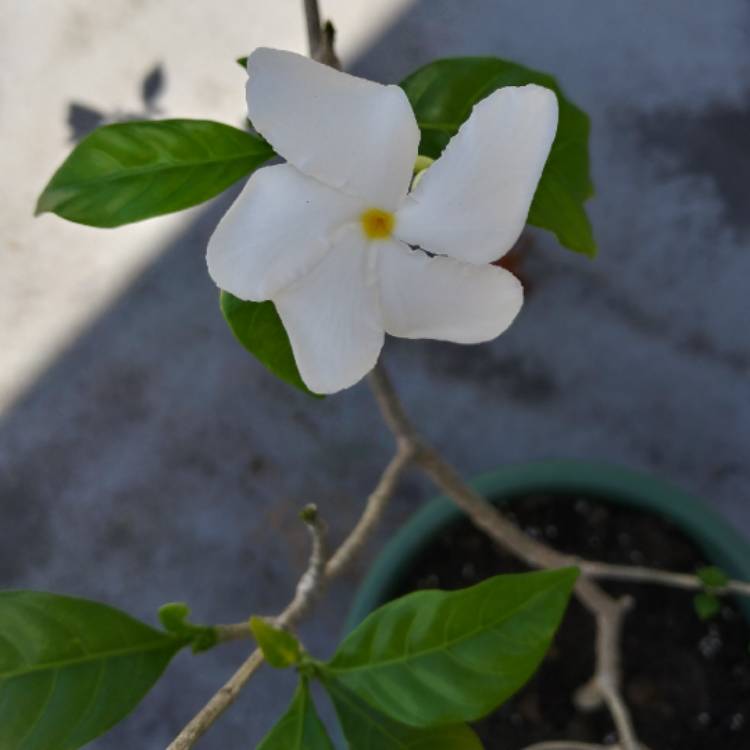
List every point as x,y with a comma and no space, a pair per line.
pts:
71,668
280,648
366,729
258,327
242,62
135,170
443,94
173,617
712,577
436,657
299,728
706,605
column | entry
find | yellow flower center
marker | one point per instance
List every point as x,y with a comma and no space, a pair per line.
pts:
377,224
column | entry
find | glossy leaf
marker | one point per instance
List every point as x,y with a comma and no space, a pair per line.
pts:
434,658
299,728
443,94
366,729
258,327
280,648
131,171
71,668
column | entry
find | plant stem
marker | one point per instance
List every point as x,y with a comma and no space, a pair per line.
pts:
609,613
319,572
320,38
641,574
373,512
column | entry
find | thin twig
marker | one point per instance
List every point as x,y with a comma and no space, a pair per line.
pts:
306,592
237,631
311,583
357,537
321,38
608,612
373,512
219,703
641,574
309,588
314,28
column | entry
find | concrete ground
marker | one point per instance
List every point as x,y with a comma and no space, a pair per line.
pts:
144,457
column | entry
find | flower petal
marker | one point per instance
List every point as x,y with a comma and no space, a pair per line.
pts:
332,316
280,226
354,135
472,203
442,298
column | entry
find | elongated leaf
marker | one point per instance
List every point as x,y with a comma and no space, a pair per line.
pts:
434,658
366,729
443,93
299,728
280,648
135,170
71,668
258,327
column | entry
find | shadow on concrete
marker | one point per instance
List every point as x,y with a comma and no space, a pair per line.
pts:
83,118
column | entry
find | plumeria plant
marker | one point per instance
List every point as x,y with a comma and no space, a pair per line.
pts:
387,215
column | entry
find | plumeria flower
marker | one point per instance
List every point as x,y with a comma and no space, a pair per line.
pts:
342,246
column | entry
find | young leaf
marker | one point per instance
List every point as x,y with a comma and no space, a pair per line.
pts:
706,605
135,170
366,729
299,728
258,327
173,617
435,657
712,577
443,93
71,668
280,648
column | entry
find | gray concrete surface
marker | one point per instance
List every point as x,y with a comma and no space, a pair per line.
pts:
152,460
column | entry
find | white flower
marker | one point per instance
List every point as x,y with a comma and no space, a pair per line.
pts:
332,235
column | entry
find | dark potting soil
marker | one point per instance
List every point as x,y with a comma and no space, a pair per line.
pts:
686,681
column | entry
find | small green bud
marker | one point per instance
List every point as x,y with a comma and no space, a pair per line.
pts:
712,577
173,617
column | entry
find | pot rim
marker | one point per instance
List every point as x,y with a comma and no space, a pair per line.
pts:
722,545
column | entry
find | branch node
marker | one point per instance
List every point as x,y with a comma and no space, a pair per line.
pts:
588,697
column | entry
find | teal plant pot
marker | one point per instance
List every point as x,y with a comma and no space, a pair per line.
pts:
721,545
